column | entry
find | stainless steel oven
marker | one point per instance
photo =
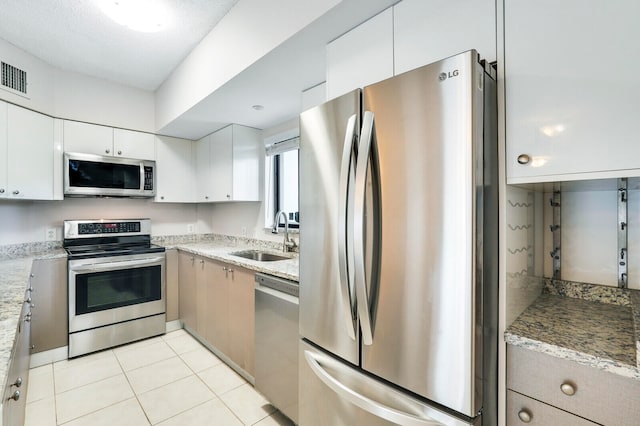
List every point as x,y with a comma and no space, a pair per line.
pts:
116,284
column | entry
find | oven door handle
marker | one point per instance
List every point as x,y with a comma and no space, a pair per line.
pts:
109,266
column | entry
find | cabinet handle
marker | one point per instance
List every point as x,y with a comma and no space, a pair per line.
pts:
119,152
1,190
523,159
568,389
206,197
18,382
27,317
201,261
525,416
16,192
228,196
15,396
162,197
106,151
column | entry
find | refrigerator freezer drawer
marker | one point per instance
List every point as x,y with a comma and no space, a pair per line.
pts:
334,393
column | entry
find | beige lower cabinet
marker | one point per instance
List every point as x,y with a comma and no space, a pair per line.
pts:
543,389
217,303
171,283
241,318
187,289
49,304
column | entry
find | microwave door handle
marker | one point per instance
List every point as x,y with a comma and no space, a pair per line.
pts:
345,244
110,266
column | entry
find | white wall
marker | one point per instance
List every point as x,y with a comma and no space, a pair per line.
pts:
250,30
589,237
27,221
73,96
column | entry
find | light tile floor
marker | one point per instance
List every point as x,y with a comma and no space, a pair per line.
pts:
166,380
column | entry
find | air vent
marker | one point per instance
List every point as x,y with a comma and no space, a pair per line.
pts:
14,78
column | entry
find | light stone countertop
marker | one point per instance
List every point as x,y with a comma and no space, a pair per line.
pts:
287,269
14,278
592,325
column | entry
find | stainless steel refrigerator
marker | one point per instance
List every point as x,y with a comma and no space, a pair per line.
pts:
398,251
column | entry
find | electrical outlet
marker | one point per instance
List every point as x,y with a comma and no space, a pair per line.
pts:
244,231
191,229
51,234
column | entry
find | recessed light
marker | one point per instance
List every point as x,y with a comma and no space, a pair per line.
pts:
258,107
146,16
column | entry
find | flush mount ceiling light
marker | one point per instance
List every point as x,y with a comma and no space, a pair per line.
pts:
145,16
258,107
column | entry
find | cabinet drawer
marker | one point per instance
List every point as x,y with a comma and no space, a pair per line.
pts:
599,396
538,413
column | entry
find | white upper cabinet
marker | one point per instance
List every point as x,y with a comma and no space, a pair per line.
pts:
175,170
204,183
87,138
572,90
426,31
130,144
228,165
3,151
222,164
30,155
103,140
362,56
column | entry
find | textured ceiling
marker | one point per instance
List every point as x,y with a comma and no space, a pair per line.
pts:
75,35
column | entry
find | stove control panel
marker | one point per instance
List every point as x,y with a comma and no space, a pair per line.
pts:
108,228
99,228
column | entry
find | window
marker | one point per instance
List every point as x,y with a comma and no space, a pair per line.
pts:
282,182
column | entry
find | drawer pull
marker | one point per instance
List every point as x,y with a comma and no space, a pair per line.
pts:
568,389
525,416
523,159
15,396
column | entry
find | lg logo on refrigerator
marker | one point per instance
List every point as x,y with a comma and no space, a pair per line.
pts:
444,75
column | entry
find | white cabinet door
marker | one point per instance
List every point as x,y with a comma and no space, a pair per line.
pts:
175,171
222,143
131,144
246,163
87,138
425,31
4,189
204,186
572,89
30,154
362,56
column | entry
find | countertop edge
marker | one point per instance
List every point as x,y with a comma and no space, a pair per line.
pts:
581,358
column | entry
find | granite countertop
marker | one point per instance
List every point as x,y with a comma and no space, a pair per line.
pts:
287,269
14,277
592,325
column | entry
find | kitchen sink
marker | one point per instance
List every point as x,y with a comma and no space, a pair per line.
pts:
260,256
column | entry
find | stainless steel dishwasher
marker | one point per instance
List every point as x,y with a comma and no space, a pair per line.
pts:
276,339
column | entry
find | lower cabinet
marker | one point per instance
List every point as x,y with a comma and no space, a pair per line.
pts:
49,304
171,282
217,303
545,390
15,392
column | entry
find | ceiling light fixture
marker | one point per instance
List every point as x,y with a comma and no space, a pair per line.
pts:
258,107
146,16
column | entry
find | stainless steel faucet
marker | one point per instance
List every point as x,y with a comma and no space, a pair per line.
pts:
288,242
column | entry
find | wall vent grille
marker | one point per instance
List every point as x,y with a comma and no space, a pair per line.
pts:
14,78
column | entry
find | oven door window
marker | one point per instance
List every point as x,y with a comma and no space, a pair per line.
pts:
100,291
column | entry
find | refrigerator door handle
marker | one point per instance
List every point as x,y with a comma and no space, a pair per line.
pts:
362,296
364,402
344,247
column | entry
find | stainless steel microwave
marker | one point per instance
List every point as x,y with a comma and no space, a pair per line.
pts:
101,176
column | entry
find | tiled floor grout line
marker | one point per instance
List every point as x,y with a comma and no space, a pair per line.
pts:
135,395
